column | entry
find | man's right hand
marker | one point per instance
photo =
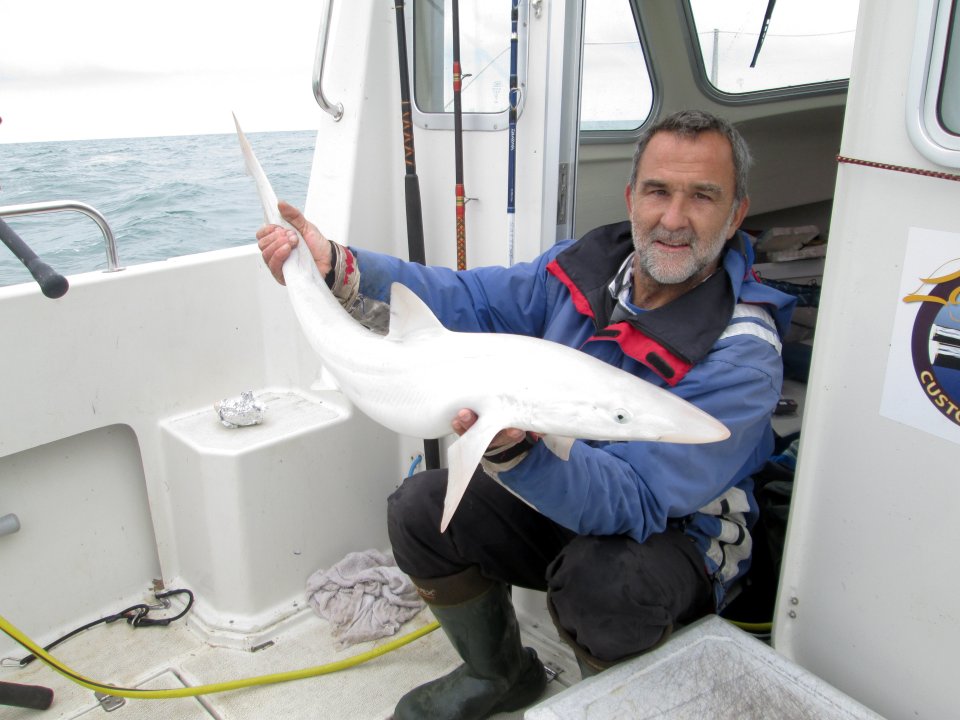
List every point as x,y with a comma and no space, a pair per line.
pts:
466,418
276,243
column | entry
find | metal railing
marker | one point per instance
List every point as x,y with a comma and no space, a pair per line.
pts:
336,111
113,262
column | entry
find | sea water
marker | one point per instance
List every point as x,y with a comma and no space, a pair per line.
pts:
162,197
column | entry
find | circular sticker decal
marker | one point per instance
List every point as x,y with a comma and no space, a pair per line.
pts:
935,344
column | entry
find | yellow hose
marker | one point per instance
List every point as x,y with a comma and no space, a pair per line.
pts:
754,627
271,679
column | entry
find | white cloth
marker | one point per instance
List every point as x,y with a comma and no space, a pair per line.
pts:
365,596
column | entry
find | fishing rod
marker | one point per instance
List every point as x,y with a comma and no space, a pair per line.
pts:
411,189
512,134
458,141
411,185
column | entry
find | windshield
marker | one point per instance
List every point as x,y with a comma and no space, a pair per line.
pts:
804,42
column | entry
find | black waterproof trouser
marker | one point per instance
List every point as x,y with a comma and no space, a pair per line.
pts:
610,596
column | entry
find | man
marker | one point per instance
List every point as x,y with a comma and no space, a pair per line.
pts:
629,540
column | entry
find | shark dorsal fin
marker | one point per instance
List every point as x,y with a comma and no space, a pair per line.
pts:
409,314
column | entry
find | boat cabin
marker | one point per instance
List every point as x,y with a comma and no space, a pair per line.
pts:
118,481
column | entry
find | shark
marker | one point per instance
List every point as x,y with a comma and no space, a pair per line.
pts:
417,377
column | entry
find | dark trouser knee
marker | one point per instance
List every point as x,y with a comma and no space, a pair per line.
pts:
492,530
413,523
613,598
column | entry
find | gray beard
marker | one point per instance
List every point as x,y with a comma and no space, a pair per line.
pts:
671,273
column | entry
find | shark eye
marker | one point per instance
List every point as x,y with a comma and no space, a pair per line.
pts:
622,416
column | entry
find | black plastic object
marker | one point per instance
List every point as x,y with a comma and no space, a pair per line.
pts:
52,284
33,697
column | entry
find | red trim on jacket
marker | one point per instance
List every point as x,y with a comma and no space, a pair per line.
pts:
580,301
632,341
646,350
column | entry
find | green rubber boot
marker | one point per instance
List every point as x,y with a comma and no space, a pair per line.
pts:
498,674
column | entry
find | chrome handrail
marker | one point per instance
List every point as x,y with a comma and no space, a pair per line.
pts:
113,262
336,111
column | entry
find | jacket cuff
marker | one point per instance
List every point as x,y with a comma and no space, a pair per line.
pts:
503,459
344,276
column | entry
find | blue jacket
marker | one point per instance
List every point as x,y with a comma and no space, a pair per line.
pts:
718,347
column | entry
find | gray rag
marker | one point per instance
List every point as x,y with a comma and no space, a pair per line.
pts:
365,596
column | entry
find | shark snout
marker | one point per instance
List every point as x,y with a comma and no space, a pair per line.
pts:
704,432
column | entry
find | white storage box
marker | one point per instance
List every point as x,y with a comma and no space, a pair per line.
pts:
711,669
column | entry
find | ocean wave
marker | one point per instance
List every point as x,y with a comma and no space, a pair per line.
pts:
162,197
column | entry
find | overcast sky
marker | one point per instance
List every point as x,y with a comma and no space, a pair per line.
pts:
114,68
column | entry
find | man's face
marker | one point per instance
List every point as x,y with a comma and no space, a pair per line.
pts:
681,209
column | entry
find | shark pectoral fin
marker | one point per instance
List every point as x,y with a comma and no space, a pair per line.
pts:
463,457
559,445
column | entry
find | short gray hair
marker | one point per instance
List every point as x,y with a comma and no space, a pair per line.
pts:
690,124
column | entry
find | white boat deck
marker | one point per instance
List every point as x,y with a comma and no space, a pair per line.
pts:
173,657
709,669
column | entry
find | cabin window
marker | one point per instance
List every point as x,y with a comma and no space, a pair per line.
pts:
933,88
485,34
616,92
949,96
752,46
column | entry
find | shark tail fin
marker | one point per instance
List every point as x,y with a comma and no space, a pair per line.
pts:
268,198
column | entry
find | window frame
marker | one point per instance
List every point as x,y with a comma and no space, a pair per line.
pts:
483,121
703,84
599,135
753,97
925,84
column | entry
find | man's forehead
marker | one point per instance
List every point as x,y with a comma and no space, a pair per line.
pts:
709,137
704,158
